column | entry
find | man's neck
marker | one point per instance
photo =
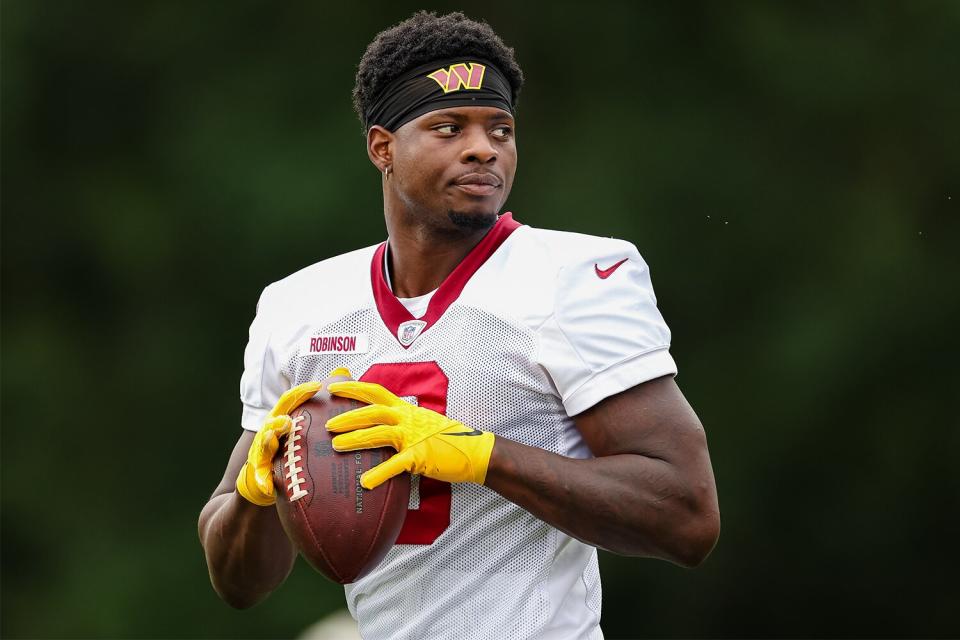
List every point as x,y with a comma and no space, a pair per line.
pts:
420,258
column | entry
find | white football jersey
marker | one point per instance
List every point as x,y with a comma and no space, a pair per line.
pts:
533,327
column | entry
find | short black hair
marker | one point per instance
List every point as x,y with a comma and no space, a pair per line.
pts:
423,37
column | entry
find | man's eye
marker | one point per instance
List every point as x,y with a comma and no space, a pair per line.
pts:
502,132
447,128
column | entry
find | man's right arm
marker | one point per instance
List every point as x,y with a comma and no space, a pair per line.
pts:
248,554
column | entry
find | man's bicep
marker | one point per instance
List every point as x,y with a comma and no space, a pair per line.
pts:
652,419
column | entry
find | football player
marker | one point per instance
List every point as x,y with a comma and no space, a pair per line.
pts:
523,375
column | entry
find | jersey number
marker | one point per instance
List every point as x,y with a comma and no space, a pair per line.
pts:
428,383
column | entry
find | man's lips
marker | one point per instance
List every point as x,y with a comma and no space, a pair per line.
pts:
478,184
479,178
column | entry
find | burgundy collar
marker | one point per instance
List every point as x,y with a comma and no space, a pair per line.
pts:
392,310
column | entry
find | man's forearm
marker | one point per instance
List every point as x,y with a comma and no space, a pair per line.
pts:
248,553
628,504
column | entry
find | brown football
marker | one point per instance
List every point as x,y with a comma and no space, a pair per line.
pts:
340,528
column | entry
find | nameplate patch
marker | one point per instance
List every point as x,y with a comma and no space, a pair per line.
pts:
335,343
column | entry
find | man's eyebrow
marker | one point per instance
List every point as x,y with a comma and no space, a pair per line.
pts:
501,115
460,116
450,114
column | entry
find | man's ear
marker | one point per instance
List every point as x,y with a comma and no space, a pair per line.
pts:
380,147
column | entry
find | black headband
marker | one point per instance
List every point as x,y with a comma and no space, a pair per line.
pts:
456,82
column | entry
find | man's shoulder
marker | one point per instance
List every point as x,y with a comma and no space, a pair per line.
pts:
346,266
538,266
555,249
339,277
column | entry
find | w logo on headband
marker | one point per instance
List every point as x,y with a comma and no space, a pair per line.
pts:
462,75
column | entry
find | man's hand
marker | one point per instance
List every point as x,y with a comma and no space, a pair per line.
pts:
255,481
428,443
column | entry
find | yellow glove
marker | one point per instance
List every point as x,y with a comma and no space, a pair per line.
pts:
428,443
255,482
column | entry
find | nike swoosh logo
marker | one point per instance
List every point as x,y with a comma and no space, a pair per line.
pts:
603,274
475,432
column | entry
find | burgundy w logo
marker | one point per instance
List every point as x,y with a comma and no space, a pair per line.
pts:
459,76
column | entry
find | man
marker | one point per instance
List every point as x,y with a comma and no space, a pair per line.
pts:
544,422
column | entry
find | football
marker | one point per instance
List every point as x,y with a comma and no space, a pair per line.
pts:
341,529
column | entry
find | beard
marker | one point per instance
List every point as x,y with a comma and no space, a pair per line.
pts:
472,221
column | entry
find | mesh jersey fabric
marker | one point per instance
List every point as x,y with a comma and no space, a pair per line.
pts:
535,337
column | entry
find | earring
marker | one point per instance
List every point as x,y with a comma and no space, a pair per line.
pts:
386,170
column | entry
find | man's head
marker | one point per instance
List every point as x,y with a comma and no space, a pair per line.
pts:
436,95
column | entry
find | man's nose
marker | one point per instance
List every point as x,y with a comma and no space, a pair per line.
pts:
478,147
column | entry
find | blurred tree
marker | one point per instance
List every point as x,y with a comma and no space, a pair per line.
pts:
789,172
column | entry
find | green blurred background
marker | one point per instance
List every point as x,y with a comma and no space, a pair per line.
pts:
789,171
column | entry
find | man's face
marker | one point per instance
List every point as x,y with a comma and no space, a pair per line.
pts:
454,168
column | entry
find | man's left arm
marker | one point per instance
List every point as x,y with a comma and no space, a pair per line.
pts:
649,490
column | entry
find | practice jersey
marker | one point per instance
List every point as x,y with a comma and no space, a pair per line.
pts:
533,327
